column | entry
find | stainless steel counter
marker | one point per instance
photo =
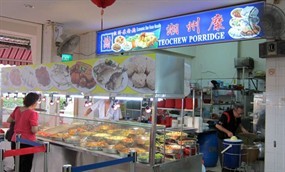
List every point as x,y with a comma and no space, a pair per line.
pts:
61,154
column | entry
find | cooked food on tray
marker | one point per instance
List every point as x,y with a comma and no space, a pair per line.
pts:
141,73
81,76
15,77
59,136
128,141
110,75
43,78
119,147
176,134
100,144
101,135
59,74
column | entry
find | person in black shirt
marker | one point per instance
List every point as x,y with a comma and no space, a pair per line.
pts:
228,124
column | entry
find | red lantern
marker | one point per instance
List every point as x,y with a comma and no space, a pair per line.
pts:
103,3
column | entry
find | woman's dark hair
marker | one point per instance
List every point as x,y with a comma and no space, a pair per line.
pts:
31,99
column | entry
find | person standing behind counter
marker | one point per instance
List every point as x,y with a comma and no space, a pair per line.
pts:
228,124
26,124
105,110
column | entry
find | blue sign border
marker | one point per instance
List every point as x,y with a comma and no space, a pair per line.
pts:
220,25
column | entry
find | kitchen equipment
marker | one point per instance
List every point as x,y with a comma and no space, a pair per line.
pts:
249,153
232,153
260,146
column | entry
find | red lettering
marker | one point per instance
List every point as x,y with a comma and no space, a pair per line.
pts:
107,42
194,26
217,23
172,29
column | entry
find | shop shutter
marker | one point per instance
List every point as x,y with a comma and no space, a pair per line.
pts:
15,55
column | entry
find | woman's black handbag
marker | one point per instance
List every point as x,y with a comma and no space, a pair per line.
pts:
10,132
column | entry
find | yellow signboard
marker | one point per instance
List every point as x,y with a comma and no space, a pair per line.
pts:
119,74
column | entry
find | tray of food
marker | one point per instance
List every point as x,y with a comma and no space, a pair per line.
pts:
144,158
75,140
124,152
96,146
173,149
110,149
176,135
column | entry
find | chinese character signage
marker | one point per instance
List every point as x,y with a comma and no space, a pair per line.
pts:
227,24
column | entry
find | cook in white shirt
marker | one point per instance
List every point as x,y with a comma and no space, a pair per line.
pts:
105,110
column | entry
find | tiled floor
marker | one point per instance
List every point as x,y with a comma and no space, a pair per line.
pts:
257,166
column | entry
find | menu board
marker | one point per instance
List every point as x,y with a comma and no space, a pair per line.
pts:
124,74
219,25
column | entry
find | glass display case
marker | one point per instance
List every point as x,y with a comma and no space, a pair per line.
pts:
114,138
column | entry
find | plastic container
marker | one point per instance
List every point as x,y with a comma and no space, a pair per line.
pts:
170,103
178,103
189,103
208,146
161,104
232,156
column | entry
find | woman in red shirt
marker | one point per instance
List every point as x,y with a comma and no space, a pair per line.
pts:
26,124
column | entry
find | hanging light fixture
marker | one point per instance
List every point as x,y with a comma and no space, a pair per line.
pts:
87,103
51,100
148,106
103,4
15,96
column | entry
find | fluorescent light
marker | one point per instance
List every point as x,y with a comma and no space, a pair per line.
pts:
77,96
129,98
100,97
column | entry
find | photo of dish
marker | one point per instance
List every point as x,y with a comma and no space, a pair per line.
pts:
43,78
238,22
120,39
144,39
81,77
235,33
249,11
28,77
116,47
5,79
236,13
244,23
60,77
250,31
110,75
15,77
127,46
141,73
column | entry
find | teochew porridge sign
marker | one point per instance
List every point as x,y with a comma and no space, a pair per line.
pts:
220,25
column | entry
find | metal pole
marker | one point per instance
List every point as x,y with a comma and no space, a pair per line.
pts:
66,168
47,145
1,160
153,132
17,158
132,164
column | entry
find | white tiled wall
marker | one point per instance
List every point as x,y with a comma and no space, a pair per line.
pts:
275,115
87,47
